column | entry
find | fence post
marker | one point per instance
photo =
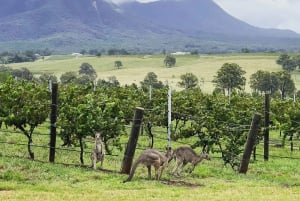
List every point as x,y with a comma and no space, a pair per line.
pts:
132,142
267,122
292,144
53,117
250,143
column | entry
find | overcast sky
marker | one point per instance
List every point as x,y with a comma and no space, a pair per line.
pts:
282,14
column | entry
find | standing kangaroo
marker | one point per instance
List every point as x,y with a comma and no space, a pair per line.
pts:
98,151
151,157
184,155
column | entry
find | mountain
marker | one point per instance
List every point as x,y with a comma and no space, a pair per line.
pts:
65,25
197,16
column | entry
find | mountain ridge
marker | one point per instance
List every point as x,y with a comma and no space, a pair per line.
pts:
153,26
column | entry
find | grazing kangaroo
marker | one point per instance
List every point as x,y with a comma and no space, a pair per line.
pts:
98,151
184,155
151,157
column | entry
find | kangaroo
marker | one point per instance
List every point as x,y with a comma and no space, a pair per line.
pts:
98,152
151,157
184,155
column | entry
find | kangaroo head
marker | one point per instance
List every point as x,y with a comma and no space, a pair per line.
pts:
97,135
205,156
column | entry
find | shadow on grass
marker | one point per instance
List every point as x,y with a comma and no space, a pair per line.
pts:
181,183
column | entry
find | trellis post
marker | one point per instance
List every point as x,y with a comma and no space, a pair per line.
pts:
132,142
53,116
250,143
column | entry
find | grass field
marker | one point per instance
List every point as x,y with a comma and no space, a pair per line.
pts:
135,67
25,180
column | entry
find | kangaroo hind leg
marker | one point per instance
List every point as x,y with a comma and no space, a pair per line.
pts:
149,171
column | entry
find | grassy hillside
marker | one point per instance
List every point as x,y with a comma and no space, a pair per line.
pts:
135,67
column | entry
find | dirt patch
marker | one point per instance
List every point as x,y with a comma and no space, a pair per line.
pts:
181,184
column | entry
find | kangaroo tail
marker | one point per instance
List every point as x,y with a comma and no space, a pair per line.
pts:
132,171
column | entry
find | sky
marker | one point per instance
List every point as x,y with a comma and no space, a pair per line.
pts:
281,14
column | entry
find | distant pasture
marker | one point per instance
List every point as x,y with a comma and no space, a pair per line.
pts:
135,67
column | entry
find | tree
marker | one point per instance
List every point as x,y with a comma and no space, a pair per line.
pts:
117,52
194,52
151,80
297,60
68,77
28,56
118,64
170,61
83,52
188,81
245,50
45,78
286,84
112,81
264,81
83,79
286,62
283,58
23,74
88,70
229,77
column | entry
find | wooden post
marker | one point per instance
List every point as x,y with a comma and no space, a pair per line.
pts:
53,117
267,123
132,142
292,144
250,143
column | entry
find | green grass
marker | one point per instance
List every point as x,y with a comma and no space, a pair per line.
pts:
135,67
23,179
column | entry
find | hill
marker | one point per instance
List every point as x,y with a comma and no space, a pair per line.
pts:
66,26
135,67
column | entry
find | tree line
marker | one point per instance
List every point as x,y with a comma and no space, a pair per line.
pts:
229,78
20,57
